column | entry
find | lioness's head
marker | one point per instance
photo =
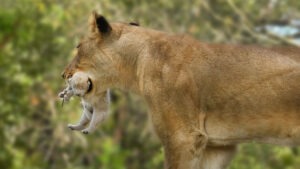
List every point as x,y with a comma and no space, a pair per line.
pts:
107,53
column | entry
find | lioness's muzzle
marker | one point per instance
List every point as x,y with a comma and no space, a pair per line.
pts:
65,75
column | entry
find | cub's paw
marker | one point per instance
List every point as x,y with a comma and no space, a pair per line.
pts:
70,126
85,131
75,127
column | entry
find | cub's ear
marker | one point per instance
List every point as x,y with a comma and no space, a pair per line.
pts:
99,24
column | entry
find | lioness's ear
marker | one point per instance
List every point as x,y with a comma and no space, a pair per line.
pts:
99,24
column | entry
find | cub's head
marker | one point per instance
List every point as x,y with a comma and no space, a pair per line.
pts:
80,84
106,54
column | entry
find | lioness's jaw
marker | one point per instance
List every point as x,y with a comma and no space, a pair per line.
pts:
90,86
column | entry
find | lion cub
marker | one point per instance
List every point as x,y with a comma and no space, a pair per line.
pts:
94,106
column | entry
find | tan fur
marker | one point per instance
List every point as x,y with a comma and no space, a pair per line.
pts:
204,98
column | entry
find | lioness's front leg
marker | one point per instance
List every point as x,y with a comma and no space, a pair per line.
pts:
181,154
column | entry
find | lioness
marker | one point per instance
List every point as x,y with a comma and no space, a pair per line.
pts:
95,107
204,98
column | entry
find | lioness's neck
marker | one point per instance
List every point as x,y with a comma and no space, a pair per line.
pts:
132,48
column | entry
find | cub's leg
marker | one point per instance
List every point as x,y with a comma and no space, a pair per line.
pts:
84,120
97,117
100,112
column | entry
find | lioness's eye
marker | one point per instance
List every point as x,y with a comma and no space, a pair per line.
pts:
78,46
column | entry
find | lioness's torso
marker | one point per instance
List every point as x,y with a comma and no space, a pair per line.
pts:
248,91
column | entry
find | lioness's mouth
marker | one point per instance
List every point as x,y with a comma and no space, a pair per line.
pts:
90,86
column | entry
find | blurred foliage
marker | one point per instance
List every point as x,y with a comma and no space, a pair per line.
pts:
36,41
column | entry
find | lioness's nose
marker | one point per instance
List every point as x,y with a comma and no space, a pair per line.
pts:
67,75
63,75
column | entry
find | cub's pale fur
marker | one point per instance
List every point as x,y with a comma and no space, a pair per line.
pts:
204,98
94,107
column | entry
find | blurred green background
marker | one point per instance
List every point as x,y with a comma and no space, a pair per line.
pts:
36,42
